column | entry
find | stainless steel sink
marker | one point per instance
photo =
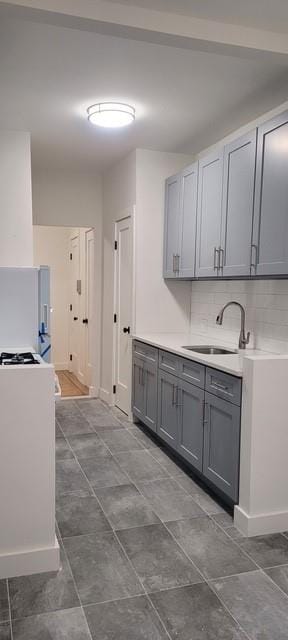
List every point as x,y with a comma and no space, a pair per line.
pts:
210,350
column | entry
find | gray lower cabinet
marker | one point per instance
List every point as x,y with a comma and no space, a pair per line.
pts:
196,410
190,430
144,392
221,444
270,229
168,414
137,388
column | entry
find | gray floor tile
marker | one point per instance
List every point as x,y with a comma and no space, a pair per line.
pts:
104,420
100,568
125,507
104,472
157,559
105,429
58,430
128,619
207,503
173,468
234,533
223,519
210,548
71,419
5,631
189,485
280,576
121,440
63,451
268,551
142,436
195,613
4,605
69,478
77,516
60,625
140,466
43,592
257,604
92,407
175,507
160,488
88,445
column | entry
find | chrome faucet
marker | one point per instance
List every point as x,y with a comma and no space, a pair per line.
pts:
243,339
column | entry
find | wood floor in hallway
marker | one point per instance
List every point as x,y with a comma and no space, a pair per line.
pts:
70,385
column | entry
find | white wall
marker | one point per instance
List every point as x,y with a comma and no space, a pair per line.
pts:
51,247
119,197
160,306
16,244
66,198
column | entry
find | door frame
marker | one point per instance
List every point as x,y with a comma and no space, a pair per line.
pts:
130,212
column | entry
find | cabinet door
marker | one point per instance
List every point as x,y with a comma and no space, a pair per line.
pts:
188,212
270,232
190,440
171,227
237,206
222,445
137,388
150,396
167,423
209,214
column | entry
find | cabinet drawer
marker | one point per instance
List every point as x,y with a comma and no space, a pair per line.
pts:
223,385
193,372
169,362
145,351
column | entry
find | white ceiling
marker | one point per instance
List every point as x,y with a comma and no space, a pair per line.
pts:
271,15
184,99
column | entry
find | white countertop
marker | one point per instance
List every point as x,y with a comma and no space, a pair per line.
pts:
230,363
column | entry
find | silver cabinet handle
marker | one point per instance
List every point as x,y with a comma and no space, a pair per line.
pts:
177,256
143,376
221,258
255,248
216,258
139,375
205,408
178,395
174,263
174,395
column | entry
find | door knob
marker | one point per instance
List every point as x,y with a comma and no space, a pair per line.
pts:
75,318
85,320
126,329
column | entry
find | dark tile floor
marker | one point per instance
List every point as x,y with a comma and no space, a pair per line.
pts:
146,553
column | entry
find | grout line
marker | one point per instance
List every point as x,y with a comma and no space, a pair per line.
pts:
9,605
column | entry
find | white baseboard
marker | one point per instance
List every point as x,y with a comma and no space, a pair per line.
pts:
94,391
261,523
106,396
24,563
61,366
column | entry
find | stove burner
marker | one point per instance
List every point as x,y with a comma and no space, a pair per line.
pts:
17,358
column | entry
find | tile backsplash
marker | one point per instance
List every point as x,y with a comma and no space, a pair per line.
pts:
265,303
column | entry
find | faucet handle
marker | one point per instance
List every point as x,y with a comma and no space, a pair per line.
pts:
247,339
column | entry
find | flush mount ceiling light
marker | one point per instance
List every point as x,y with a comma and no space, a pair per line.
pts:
111,114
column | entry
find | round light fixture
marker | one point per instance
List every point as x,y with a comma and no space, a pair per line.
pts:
111,114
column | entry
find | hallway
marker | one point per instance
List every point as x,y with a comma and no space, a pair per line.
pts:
147,554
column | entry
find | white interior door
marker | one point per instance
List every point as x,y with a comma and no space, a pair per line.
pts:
89,322
123,291
74,313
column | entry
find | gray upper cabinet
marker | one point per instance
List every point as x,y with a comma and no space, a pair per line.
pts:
171,227
209,215
270,230
237,206
188,213
180,224
190,439
222,444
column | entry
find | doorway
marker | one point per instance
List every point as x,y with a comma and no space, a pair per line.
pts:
70,253
123,312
